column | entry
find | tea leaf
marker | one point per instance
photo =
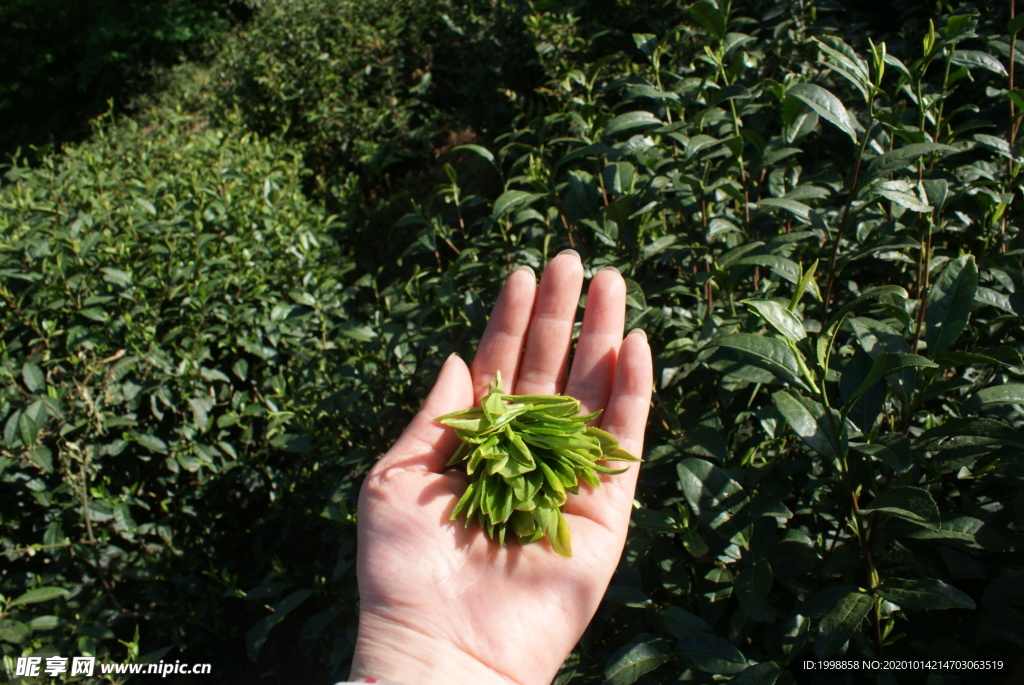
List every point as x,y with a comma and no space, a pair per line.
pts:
924,593
39,594
712,654
885,364
826,105
949,302
838,624
710,17
779,318
631,122
901,158
752,588
910,503
817,426
768,353
33,377
978,59
631,661
1009,393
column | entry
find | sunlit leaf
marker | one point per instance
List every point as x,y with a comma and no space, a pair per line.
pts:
631,122
778,317
976,59
630,662
769,353
513,201
901,158
821,429
827,105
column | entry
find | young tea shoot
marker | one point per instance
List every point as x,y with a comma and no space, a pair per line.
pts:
525,454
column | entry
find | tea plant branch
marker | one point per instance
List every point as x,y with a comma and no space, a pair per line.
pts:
32,549
669,419
9,299
568,229
97,564
870,571
719,59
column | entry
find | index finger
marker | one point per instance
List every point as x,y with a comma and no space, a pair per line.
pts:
502,343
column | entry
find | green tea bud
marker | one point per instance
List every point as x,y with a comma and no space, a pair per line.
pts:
525,455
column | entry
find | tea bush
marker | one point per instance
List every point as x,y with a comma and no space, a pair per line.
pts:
207,335
370,91
821,241
194,373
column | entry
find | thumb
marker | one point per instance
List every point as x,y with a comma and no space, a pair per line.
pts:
426,444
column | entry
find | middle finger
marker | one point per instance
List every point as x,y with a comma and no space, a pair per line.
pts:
546,358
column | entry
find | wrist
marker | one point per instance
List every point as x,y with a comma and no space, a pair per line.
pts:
389,652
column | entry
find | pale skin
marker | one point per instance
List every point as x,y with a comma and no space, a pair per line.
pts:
443,603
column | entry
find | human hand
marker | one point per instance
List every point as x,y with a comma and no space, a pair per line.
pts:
443,603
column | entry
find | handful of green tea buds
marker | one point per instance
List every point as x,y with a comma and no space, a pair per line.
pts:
525,454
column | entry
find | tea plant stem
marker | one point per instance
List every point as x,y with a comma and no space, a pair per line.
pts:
923,283
1014,120
873,580
504,226
855,178
942,102
1015,123
709,289
568,229
737,131
864,537
669,420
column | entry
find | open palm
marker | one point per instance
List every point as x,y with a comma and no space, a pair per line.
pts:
440,602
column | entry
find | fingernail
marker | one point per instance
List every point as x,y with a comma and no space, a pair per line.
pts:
569,251
610,268
638,331
527,268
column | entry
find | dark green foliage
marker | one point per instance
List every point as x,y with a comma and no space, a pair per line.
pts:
344,81
818,235
195,375
62,61
817,213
